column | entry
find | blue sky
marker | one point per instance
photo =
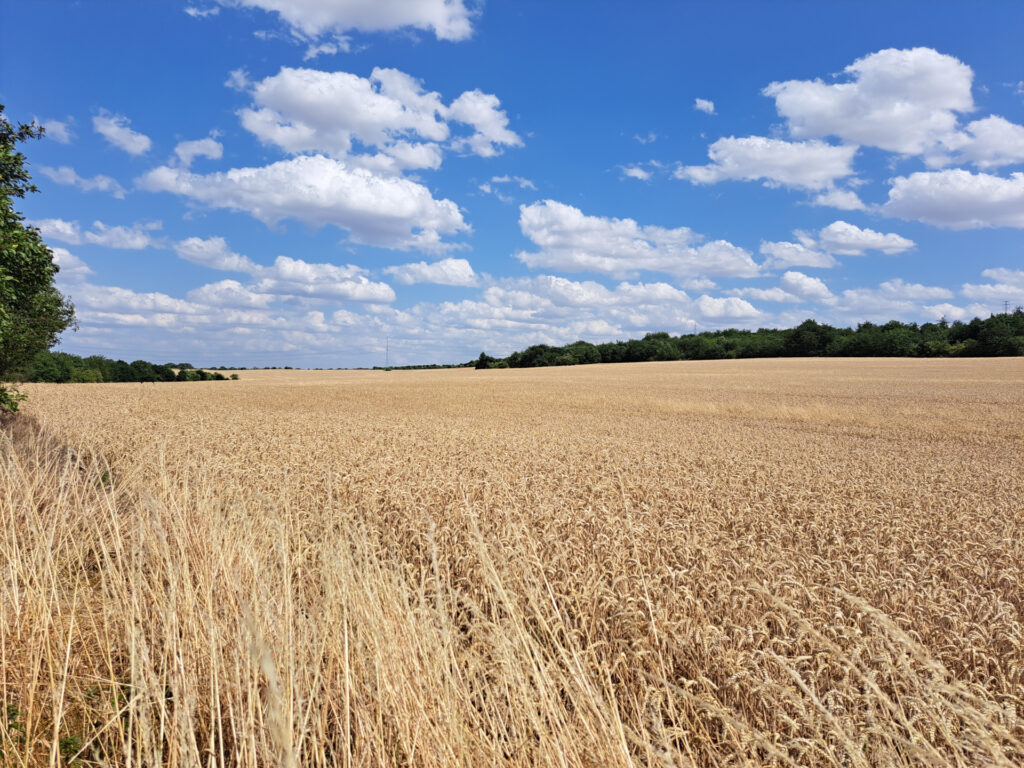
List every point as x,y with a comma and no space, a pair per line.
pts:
274,182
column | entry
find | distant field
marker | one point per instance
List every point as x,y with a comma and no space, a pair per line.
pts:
764,562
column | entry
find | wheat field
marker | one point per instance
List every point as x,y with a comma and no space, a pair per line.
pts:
727,563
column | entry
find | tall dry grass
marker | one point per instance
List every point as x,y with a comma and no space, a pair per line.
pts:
750,563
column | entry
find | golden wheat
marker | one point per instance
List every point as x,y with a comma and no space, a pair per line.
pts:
698,564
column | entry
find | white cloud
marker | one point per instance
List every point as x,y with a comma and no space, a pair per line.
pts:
72,268
719,308
115,129
571,241
481,110
994,141
804,286
215,254
1009,286
550,298
58,229
843,199
449,271
846,239
201,13
113,299
812,165
786,254
286,277
636,172
134,238
892,299
238,80
704,105
230,293
951,311
958,199
302,110
902,101
447,19
67,176
650,138
506,179
699,284
339,45
187,151
59,131
793,288
766,294
390,212
1010,276
306,110
320,281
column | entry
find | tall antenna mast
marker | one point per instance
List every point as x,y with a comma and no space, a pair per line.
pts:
387,351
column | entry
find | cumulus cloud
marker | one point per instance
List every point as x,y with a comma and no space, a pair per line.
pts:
636,172
958,199
187,151
483,112
309,19
549,298
571,241
230,293
812,165
59,131
117,131
843,199
893,299
787,254
215,254
704,105
995,141
286,277
67,176
135,237
72,268
58,229
307,110
794,287
804,286
449,271
390,212
1008,286
846,239
903,101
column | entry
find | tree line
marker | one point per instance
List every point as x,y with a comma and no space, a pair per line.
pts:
998,335
62,367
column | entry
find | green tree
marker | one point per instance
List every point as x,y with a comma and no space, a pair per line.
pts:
32,312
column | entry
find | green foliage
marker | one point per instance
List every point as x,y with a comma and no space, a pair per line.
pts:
61,367
1000,335
33,313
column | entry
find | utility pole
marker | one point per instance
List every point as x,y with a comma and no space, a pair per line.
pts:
387,351
1006,307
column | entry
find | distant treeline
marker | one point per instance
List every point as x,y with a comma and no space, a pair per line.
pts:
425,367
998,335
60,367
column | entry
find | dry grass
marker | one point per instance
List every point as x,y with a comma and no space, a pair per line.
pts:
783,563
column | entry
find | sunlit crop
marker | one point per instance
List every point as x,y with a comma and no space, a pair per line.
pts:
731,563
